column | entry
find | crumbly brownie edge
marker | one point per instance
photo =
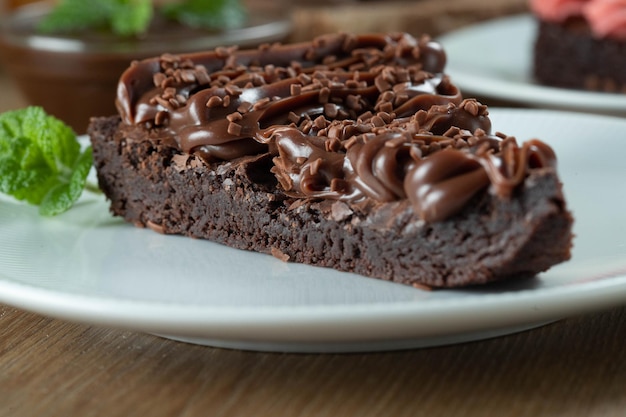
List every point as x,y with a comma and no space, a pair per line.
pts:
492,239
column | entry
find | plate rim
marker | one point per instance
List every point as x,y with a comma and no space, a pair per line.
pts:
319,323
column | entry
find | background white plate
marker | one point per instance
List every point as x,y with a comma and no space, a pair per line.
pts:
89,267
494,59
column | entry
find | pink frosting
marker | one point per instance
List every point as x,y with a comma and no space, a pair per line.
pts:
607,18
557,10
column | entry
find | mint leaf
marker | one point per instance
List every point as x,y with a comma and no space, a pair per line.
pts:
57,141
209,14
131,17
41,161
64,193
14,180
36,192
75,16
122,17
22,165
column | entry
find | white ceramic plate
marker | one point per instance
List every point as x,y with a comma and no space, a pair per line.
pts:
494,59
89,267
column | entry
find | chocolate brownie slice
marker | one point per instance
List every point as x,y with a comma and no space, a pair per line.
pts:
350,152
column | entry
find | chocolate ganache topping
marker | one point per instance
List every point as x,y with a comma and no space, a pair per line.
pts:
346,117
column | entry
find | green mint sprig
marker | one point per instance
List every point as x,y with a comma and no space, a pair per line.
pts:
41,161
133,17
207,13
122,17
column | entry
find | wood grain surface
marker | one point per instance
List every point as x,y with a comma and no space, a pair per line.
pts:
575,367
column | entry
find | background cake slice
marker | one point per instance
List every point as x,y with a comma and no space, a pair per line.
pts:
581,44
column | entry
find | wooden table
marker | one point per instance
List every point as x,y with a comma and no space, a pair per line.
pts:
48,367
576,367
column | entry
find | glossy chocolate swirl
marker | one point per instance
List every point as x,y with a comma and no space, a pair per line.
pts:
343,117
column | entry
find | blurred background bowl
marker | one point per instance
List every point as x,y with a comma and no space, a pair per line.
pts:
74,77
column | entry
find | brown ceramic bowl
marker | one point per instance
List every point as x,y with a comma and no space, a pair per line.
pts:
75,77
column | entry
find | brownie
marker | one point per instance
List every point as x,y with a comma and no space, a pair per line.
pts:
357,153
567,55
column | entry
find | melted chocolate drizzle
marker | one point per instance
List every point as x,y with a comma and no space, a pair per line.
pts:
343,117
